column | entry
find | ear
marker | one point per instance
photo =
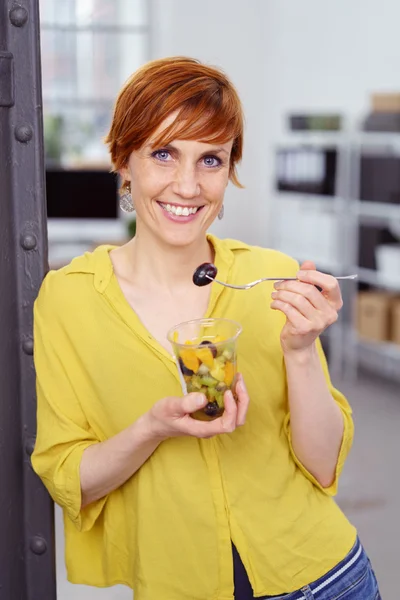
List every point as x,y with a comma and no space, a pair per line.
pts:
124,173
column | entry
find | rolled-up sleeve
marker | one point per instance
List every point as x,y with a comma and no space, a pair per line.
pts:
348,432
63,432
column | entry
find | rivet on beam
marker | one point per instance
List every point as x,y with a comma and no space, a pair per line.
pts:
23,133
28,241
30,446
18,15
27,346
38,545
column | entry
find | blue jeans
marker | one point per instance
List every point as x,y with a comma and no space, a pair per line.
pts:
352,579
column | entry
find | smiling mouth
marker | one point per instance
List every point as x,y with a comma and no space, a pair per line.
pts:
180,211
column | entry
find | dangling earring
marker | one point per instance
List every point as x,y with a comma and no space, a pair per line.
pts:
125,199
221,213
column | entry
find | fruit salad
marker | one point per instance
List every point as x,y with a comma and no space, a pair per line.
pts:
208,368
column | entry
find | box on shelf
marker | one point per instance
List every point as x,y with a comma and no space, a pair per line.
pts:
373,315
395,321
386,102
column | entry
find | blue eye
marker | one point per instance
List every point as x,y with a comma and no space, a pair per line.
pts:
161,155
211,161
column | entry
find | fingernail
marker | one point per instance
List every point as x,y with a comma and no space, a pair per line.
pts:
302,273
199,399
274,294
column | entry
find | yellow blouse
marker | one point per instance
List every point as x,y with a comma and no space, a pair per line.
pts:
167,532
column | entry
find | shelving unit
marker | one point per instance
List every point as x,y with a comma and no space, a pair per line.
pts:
377,212
372,277
380,357
343,214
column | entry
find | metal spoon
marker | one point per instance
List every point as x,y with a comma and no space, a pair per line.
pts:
247,286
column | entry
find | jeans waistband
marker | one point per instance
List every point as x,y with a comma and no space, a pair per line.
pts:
349,562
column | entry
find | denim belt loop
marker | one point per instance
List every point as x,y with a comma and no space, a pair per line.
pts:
308,595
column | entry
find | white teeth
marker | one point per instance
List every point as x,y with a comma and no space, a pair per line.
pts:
180,210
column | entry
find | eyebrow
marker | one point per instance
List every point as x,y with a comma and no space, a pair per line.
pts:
217,150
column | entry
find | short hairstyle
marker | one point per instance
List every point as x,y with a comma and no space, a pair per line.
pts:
207,104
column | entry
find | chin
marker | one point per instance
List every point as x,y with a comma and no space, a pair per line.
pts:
182,239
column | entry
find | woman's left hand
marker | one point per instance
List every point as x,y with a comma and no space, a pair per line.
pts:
308,311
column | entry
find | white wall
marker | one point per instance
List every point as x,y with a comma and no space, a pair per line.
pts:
283,55
229,34
331,55
328,56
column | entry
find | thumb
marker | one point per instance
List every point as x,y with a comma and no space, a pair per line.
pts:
308,265
193,402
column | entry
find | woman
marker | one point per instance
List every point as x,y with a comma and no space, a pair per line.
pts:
176,508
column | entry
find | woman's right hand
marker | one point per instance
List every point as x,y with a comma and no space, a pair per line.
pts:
171,416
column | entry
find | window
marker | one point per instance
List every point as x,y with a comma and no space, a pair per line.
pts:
89,48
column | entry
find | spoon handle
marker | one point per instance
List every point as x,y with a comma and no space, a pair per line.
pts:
247,286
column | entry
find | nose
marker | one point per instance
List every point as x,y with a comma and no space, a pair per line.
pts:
186,182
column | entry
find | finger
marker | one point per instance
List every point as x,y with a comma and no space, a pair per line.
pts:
243,401
301,304
229,416
328,284
189,404
301,324
206,429
304,289
321,318
199,429
308,265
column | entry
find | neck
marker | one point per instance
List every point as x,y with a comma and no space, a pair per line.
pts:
157,265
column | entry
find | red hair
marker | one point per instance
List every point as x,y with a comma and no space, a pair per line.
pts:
208,106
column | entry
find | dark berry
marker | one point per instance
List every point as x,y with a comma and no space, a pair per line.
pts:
185,370
203,273
211,346
211,409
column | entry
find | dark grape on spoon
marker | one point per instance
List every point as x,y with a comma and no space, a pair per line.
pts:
204,274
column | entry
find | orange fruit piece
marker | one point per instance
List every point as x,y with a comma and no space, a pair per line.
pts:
229,373
206,357
190,359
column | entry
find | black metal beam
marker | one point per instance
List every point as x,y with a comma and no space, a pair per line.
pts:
27,570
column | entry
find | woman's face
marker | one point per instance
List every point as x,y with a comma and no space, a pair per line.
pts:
178,190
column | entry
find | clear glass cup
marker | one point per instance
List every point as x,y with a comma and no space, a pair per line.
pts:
206,354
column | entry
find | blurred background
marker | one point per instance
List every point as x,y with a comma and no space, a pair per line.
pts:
320,84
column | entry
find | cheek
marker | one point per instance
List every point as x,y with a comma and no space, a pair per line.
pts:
148,183
215,186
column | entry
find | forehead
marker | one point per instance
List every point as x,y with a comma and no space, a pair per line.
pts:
177,128
168,121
